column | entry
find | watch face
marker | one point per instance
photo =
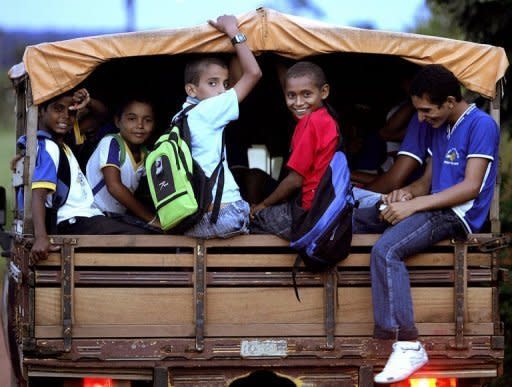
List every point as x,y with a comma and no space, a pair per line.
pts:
239,38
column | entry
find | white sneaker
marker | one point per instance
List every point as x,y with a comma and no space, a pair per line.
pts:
407,358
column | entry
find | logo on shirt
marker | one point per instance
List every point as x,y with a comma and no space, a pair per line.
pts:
452,157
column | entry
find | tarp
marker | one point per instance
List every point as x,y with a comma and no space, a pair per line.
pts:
57,67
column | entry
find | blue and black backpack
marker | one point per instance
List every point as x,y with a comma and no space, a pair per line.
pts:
322,236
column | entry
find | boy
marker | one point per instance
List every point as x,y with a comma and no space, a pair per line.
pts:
206,81
451,199
313,145
76,215
113,180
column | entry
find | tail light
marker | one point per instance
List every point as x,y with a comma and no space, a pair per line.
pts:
98,382
427,382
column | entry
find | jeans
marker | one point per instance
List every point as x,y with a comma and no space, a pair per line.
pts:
365,198
391,292
275,220
233,220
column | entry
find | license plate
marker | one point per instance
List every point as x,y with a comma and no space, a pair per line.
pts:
264,348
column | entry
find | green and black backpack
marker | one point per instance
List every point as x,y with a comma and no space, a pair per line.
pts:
180,190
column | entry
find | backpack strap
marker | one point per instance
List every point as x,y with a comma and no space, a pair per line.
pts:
217,172
63,173
296,265
122,147
63,180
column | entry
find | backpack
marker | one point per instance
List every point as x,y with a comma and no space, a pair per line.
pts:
61,193
322,236
181,191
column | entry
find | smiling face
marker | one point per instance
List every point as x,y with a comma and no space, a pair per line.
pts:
212,81
303,96
136,122
56,117
433,114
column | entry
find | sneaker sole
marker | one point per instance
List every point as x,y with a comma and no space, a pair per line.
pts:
399,379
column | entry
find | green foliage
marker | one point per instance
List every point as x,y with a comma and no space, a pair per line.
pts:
7,101
438,24
483,21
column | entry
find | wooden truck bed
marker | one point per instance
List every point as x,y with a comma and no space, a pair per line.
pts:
214,310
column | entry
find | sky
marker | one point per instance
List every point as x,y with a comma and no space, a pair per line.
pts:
110,15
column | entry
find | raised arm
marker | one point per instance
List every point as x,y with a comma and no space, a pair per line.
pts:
250,70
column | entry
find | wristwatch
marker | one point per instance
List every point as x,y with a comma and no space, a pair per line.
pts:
238,38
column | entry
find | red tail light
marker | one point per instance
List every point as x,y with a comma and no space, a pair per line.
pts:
98,382
427,382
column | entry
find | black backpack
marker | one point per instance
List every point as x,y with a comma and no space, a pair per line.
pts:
322,236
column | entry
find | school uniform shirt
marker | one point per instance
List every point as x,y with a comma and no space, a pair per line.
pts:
80,198
313,144
415,144
108,154
207,121
475,134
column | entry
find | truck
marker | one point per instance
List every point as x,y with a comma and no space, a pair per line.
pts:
169,310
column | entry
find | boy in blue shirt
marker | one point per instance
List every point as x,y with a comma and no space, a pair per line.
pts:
206,85
450,200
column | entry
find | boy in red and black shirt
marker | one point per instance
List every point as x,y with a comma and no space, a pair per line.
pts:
314,142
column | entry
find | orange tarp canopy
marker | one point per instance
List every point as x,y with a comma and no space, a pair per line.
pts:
57,67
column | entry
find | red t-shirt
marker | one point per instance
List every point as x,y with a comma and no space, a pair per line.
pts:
313,145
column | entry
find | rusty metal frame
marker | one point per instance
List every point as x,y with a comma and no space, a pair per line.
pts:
494,212
67,290
460,287
199,293
330,300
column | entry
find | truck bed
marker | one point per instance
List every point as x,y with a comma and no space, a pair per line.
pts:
217,309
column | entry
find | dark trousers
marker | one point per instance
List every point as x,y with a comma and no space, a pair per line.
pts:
98,225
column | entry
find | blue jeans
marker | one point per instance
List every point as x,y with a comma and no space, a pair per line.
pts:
233,220
275,220
391,292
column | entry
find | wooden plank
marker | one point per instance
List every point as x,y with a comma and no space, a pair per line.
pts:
430,304
119,330
160,259
172,241
115,305
155,306
124,241
353,260
247,330
125,259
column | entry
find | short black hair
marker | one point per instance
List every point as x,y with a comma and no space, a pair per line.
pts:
194,68
124,102
307,69
44,105
437,83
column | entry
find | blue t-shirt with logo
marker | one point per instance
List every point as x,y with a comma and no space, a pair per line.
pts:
475,134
